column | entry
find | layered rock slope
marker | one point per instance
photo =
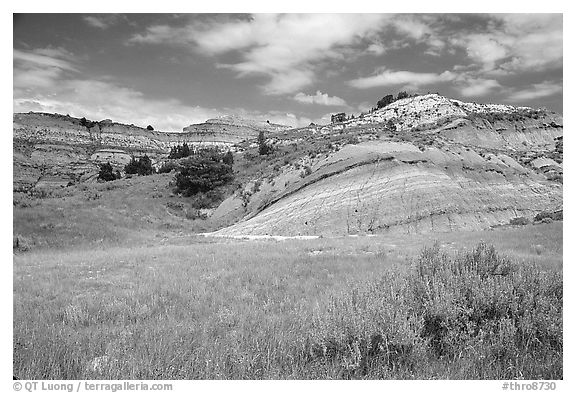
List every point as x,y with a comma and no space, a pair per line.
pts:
227,130
421,164
52,150
441,165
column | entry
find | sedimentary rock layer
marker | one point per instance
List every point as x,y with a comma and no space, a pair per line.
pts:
52,150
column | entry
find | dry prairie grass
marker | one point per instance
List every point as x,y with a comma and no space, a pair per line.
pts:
328,308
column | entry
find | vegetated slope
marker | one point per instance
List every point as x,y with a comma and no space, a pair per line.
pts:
134,210
52,151
421,164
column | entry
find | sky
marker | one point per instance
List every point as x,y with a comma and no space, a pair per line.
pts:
173,70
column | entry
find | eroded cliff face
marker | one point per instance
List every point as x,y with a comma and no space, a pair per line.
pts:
421,164
376,187
52,150
228,130
448,166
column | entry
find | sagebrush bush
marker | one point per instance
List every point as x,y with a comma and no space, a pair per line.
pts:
556,215
514,310
520,221
477,311
206,200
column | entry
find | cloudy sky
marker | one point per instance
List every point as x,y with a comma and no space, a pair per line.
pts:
171,70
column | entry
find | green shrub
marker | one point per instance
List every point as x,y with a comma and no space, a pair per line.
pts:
141,166
519,221
352,140
402,95
202,173
477,312
21,243
483,301
87,123
168,167
228,158
385,101
554,216
206,200
263,147
180,151
107,172
307,171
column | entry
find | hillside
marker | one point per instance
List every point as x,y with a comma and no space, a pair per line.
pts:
52,151
443,165
227,130
421,164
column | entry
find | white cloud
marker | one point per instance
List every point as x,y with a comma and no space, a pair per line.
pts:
43,83
320,99
158,34
365,106
47,80
420,29
412,27
49,57
99,100
103,21
516,43
288,49
41,67
478,87
537,90
376,49
95,22
389,78
485,49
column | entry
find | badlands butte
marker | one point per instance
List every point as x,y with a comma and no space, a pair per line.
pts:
418,165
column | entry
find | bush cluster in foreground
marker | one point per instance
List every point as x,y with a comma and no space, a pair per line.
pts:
478,313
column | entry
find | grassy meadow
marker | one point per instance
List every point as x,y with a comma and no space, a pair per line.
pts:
397,307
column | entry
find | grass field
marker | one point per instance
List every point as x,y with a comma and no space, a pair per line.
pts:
354,307
91,214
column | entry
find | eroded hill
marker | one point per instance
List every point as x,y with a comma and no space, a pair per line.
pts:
421,164
54,151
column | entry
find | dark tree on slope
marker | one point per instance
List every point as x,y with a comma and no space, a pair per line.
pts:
228,158
142,166
180,151
263,148
107,173
402,95
201,174
385,101
87,123
150,128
